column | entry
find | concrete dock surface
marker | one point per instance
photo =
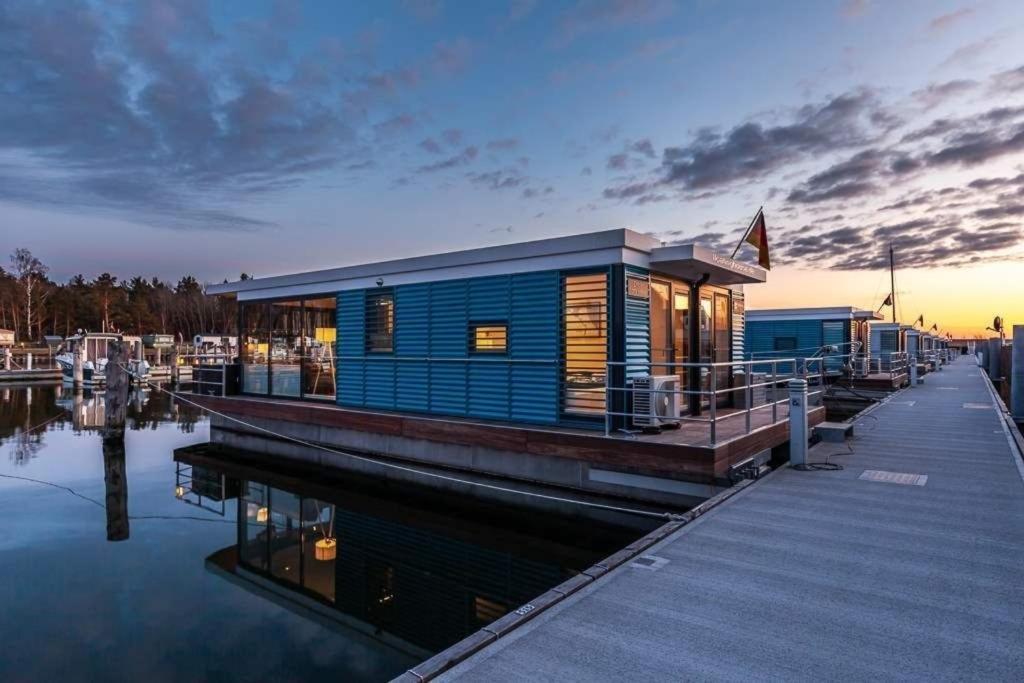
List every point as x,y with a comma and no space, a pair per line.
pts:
820,575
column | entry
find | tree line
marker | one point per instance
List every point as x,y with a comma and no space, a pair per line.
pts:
33,305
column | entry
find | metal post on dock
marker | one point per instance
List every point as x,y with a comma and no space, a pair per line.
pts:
913,373
994,345
7,360
798,422
1017,374
28,361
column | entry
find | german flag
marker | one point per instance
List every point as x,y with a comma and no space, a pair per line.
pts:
757,235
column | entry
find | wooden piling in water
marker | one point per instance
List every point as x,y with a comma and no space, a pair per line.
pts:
114,471
116,398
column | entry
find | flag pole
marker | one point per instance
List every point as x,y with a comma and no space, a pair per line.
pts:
750,227
892,281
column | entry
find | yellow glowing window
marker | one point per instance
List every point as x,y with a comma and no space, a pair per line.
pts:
489,338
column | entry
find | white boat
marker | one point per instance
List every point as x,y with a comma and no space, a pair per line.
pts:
94,358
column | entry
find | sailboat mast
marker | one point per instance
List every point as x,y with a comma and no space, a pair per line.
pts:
892,281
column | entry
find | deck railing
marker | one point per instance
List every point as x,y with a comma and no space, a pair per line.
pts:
763,389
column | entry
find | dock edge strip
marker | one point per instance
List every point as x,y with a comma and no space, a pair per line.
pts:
470,645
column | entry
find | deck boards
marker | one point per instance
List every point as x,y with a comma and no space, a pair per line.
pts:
819,575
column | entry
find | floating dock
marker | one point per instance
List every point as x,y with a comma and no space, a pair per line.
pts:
906,564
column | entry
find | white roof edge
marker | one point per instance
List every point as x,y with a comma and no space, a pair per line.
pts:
615,238
845,312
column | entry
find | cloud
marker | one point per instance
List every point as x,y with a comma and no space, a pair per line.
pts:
750,151
464,157
502,144
1009,81
935,94
152,93
498,180
976,147
431,145
593,16
945,21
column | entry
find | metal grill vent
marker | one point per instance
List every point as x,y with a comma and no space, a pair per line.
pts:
894,477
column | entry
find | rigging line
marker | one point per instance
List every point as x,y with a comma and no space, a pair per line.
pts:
101,505
403,468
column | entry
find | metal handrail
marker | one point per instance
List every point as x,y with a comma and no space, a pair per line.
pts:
811,369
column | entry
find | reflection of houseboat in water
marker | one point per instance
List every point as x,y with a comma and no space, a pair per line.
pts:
408,570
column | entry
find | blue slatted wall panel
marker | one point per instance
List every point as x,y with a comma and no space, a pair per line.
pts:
449,326
533,328
412,341
351,340
432,321
638,331
489,301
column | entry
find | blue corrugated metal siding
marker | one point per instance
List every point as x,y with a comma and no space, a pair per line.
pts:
432,322
535,336
835,332
638,330
760,336
351,340
412,323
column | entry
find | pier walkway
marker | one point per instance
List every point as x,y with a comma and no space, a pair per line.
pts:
819,575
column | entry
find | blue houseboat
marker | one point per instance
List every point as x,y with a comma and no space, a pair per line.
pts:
608,362
526,333
808,332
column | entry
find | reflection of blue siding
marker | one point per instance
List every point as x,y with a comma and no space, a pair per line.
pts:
432,322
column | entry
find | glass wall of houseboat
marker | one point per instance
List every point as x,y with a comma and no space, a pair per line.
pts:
286,344
681,331
661,328
722,343
254,348
319,322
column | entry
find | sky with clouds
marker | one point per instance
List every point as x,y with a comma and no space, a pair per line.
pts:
165,136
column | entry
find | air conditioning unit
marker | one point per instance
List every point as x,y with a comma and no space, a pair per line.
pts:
655,400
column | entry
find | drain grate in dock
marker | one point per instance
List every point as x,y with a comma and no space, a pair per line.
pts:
977,406
894,477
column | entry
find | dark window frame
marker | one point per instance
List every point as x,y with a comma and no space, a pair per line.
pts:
474,325
371,337
783,347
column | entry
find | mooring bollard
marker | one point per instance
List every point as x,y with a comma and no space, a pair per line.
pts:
1017,374
798,422
913,372
28,361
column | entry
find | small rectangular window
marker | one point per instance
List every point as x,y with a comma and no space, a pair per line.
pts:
380,321
488,338
785,343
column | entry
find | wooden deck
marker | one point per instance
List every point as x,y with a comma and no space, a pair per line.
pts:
809,576
685,453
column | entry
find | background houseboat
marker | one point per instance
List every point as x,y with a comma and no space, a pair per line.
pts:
838,332
94,347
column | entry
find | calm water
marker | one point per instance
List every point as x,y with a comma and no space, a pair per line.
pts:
128,577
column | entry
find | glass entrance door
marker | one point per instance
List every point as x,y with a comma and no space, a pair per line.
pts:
661,329
722,345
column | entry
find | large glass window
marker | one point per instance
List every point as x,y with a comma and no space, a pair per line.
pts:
255,349
661,341
286,348
380,321
585,331
320,330
681,332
